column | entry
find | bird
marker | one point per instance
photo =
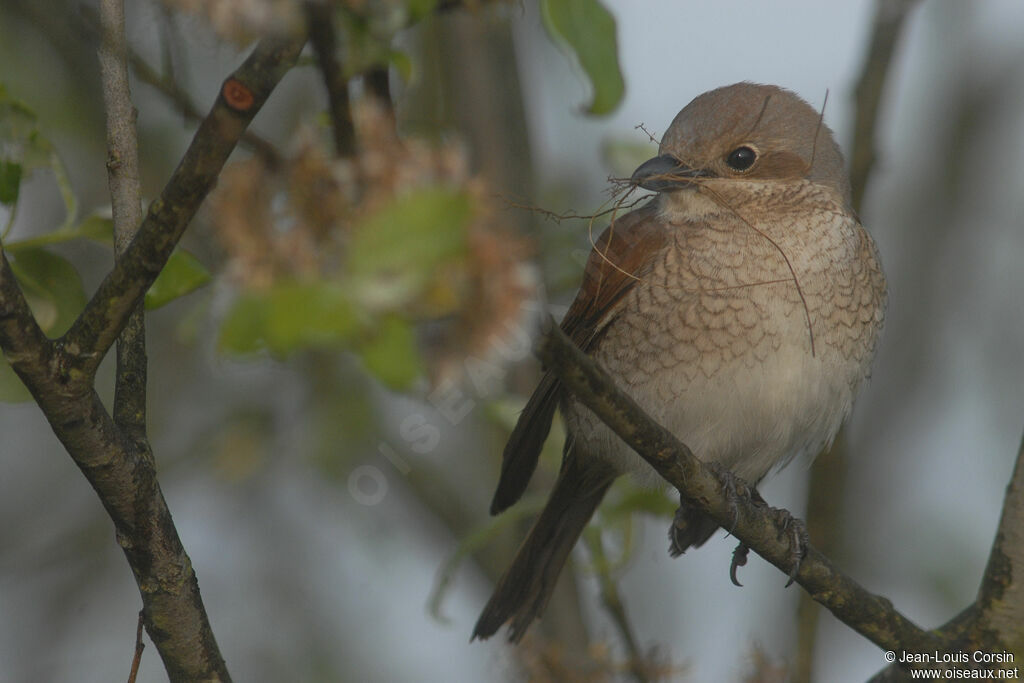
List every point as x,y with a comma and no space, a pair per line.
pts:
740,307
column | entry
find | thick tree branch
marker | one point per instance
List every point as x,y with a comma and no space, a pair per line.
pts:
763,530
241,97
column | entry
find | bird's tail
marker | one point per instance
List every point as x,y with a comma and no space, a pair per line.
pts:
524,590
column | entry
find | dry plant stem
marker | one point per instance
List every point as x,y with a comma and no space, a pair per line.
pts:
126,204
139,647
764,532
321,35
60,374
888,26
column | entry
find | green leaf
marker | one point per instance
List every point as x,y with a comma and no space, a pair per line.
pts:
589,31
12,390
10,181
182,274
391,354
289,317
96,228
395,251
52,287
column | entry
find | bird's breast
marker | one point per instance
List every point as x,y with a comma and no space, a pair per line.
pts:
746,341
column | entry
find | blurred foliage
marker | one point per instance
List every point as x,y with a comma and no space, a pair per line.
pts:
587,28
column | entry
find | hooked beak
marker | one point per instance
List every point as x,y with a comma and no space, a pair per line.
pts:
665,173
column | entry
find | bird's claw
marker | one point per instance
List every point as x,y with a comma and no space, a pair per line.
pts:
800,540
739,559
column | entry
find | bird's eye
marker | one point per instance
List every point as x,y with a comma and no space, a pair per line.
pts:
741,158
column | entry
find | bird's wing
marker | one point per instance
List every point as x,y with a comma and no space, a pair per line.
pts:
611,271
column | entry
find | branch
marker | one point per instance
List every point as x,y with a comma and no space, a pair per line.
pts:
126,205
241,97
763,530
60,375
169,88
321,34
888,24
1001,596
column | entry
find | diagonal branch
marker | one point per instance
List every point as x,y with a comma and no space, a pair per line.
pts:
870,615
241,97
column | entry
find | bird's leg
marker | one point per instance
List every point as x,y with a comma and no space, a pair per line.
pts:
691,528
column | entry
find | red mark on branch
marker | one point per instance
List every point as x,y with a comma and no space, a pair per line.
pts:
237,95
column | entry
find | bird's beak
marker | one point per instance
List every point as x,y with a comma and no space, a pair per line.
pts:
665,173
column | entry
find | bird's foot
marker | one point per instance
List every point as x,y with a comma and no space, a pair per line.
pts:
799,540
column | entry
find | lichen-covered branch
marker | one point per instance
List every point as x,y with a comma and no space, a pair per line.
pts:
114,454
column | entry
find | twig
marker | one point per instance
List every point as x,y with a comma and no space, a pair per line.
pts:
888,25
241,97
166,84
139,647
321,34
870,615
126,206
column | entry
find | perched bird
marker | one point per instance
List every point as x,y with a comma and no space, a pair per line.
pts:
740,308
